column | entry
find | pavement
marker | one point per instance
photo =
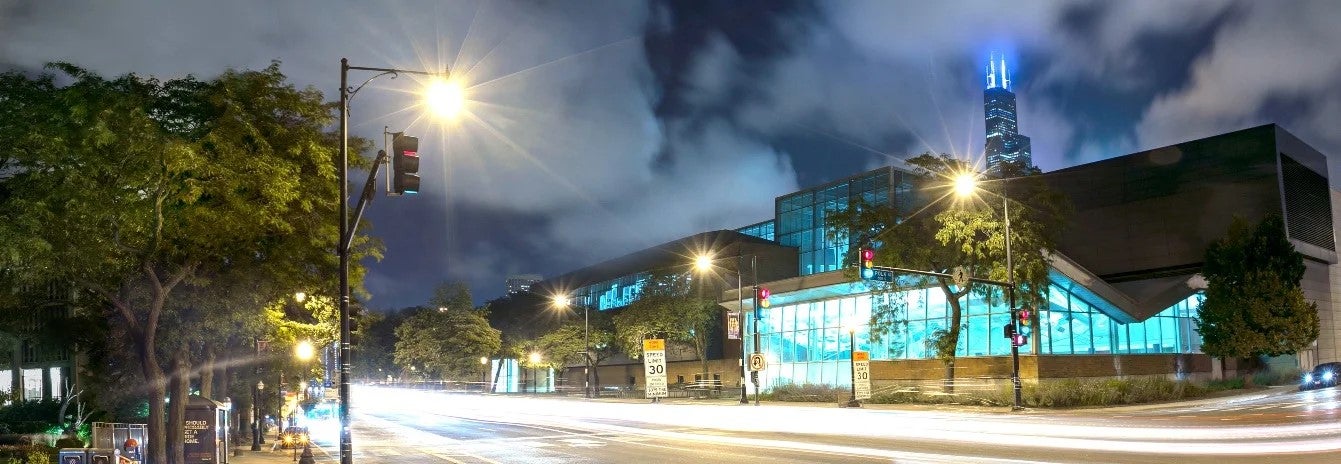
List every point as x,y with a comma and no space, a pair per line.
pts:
244,455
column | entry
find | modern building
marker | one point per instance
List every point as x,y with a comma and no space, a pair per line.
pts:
1124,283
1124,289
615,283
1004,142
521,282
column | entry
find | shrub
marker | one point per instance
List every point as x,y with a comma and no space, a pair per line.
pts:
805,393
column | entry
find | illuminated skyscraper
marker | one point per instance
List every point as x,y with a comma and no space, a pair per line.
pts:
1004,142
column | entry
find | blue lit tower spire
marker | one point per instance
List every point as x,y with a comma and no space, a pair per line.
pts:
1004,142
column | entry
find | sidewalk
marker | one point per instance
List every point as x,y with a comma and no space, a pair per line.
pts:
278,456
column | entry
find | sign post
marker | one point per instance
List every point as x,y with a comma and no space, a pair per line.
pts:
861,375
654,366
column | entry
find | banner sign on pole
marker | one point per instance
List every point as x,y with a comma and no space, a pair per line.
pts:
733,325
654,365
861,374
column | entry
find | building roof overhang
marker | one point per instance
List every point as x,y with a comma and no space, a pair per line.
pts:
1136,302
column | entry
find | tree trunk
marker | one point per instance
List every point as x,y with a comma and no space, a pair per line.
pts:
16,369
153,377
207,376
179,387
952,298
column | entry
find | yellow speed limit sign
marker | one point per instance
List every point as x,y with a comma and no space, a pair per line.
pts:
654,344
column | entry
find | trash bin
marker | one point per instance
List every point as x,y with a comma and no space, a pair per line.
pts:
72,456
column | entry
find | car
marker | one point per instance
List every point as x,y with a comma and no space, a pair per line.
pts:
296,437
1323,376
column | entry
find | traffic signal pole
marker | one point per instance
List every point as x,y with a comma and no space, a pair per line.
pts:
1010,291
347,236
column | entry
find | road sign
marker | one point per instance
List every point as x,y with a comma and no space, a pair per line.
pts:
960,276
881,275
654,365
757,362
861,374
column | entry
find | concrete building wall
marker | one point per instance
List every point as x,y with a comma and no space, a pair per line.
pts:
1325,291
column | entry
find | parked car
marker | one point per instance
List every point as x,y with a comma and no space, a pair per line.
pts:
294,437
1323,376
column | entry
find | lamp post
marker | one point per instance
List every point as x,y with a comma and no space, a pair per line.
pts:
563,302
256,439
304,351
703,263
965,185
484,374
535,382
852,365
346,231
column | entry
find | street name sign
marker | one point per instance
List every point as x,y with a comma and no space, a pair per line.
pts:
861,374
654,365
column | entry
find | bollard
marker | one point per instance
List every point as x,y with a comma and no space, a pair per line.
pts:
307,456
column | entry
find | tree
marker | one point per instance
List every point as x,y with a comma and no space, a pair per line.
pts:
144,192
1254,305
935,231
448,339
565,344
667,307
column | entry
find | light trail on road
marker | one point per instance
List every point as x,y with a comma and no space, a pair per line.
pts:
878,430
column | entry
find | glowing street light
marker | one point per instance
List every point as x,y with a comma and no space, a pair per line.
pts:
304,351
300,297
703,263
562,301
445,98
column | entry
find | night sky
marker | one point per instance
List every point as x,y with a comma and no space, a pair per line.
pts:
597,128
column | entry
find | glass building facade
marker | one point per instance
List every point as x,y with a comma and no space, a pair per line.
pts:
762,230
613,293
808,342
801,216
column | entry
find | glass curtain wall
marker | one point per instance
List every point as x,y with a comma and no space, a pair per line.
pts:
808,342
801,216
762,230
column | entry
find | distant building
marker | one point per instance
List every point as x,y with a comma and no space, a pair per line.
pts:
522,282
1004,142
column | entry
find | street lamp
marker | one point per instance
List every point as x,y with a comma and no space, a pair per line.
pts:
703,263
965,185
535,383
484,374
256,439
440,95
562,302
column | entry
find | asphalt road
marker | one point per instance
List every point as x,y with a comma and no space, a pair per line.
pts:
393,425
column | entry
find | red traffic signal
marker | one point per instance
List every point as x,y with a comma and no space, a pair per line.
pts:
762,295
405,163
1024,318
867,263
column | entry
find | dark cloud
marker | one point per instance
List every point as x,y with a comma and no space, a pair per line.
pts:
600,127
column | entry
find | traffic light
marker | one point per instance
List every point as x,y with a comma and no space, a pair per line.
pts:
867,263
1025,318
762,296
1022,328
405,163
1008,332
